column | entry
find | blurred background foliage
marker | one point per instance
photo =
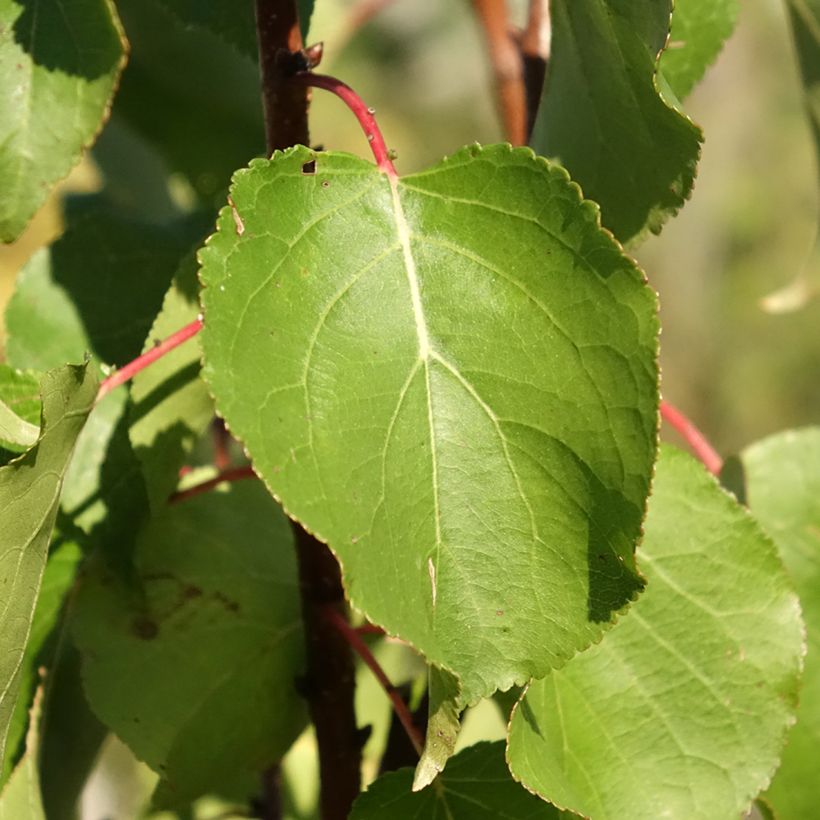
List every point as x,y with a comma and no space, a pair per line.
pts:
739,372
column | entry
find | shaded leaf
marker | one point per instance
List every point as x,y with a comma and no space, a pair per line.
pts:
20,798
171,405
192,96
234,22
451,379
59,65
476,786
97,289
69,725
699,30
602,117
783,481
57,579
29,497
15,432
443,725
105,494
20,407
207,627
682,710
804,16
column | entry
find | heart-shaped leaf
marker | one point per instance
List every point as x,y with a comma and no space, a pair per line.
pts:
682,710
451,379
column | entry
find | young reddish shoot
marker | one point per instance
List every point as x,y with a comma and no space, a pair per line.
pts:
363,651
363,114
232,474
154,354
693,437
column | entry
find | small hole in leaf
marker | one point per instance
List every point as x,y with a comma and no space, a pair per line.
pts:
309,168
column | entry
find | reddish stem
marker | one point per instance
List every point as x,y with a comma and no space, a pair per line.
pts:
369,629
232,474
131,369
363,114
363,651
693,437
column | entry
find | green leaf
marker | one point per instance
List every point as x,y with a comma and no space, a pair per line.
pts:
305,15
450,379
14,431
57,579
476,786
443,725
59,66
208,627
171,405
69,725
20,799
192,96
682,710
602,117
233,22
104,493
699,30
804,16
19,410
96,289
29,497
783,481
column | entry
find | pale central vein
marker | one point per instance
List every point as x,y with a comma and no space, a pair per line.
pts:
403,234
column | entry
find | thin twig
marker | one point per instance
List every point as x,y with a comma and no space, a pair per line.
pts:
363,651
535,51
363,113
280,43
154,354
507,67
693,437
231,474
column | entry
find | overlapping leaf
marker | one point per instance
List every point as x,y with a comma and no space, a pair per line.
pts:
19,411
96,290
476,786
451,379
208,628
57,579
29,497
699,30
804,16
682,710
234,22
191,95
20,799
171,405
59,66
602,117
783,485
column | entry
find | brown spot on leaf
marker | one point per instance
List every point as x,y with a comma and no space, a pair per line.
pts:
144,628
